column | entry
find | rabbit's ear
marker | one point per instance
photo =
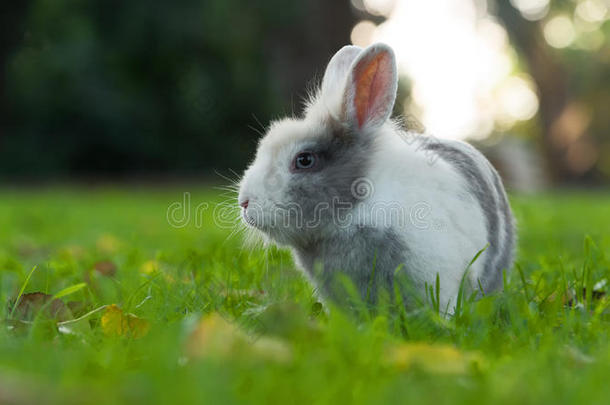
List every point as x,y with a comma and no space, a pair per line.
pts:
338,69
335,76
371,87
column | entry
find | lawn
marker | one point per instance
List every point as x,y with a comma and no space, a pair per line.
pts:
147,312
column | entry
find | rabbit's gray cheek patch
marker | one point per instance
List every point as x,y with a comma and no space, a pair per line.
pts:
349,163
328,193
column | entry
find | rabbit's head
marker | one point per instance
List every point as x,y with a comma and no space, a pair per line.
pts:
306,172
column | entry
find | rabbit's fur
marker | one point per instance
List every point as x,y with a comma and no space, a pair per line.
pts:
378,201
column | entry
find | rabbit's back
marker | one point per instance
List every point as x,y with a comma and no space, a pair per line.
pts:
455,205
485,184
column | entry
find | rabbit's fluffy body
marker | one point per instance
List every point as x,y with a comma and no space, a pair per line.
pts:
379,200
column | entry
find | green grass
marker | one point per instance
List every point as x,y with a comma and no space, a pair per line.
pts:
545,339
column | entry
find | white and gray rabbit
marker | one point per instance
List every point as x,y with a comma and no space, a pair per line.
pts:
353,194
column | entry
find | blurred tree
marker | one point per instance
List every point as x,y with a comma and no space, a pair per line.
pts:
572,84
302,52
12,14
112,87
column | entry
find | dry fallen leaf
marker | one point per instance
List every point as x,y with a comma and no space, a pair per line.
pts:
31,304
73,251
435,359
116,323
30,249
215,337
138,327
105,268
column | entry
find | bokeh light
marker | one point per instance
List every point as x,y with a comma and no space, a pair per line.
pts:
559,31
591,10
517,100
532,9
582,156
362,33
379,7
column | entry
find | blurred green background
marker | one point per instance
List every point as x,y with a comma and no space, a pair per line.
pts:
175,91
153,88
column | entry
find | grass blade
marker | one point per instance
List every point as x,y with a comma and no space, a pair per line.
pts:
522,275
23,286
460,297
70,290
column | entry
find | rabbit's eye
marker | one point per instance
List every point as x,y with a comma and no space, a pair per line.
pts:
304,161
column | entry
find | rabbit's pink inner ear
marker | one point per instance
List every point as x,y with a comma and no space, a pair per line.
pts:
373,88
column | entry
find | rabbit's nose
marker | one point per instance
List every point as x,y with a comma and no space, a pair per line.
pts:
244,204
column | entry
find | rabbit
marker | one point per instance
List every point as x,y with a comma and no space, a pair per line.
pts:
357,197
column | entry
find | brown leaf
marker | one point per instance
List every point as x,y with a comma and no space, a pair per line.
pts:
29,249
31,304
105,268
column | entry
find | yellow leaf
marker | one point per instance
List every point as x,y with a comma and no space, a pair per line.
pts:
137,327
72,252
115,323
112,321
107,244
272,349
435,359
149,267
215,337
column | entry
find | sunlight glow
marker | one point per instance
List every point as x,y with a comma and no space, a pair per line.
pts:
459,62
